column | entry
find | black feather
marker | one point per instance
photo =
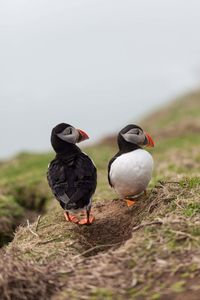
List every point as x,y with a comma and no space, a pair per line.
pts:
73,180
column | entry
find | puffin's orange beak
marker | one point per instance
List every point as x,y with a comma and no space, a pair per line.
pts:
83,135
150,142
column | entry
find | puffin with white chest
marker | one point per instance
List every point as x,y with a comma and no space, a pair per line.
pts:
130,170
72,175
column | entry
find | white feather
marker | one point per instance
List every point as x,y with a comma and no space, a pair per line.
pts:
131,172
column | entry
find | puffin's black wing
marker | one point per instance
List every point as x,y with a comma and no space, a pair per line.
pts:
73,183
57,181
86,179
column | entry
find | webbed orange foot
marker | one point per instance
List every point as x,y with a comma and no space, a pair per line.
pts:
71,218
130,202
87,221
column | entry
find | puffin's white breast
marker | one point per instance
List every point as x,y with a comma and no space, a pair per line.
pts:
131,172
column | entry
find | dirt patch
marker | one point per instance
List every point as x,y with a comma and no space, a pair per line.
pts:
113,225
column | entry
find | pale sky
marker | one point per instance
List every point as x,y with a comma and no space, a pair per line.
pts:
95,64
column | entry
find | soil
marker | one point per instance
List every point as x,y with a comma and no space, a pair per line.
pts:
113,223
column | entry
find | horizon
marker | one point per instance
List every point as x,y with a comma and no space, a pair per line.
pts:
97,65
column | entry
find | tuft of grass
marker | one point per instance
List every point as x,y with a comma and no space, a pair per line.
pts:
102,294
156,296
178,286
191,182
191,209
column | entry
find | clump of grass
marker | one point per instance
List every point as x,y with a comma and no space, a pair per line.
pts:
178,286
191,209
101,294
191,182
10,215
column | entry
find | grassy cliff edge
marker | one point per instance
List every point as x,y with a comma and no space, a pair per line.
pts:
149,251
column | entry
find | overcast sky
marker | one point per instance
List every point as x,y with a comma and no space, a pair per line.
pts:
96,64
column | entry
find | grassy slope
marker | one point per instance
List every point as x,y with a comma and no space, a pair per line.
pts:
159,260
22,189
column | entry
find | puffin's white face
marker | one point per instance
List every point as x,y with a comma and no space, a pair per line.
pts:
138,136
72,135
134,136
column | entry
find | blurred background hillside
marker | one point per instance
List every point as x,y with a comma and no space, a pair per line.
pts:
95,64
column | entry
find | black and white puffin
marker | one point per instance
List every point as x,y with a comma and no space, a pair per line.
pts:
130,170
72,175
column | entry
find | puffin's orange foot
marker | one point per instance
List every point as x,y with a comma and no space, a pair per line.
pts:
71,218
129,202
86,221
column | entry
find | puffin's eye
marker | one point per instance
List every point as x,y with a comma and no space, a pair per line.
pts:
67,131
137,132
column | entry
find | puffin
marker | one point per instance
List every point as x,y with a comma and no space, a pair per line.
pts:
130,170
72,175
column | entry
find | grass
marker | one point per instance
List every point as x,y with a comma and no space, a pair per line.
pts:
186,108
10,215
114,258
23,184
192,209
101,294
184,142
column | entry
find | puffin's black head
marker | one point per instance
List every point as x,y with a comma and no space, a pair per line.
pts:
133,137
64,136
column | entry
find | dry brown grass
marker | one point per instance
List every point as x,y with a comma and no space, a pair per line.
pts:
165,251
22,280
120,260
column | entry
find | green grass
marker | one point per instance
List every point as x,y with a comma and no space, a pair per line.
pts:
185,108
25,166
178,286
9,207
191,209
10,214
23,185
184,143
191,182
102,294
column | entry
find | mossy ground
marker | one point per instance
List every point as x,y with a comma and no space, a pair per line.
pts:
24,190
150,251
